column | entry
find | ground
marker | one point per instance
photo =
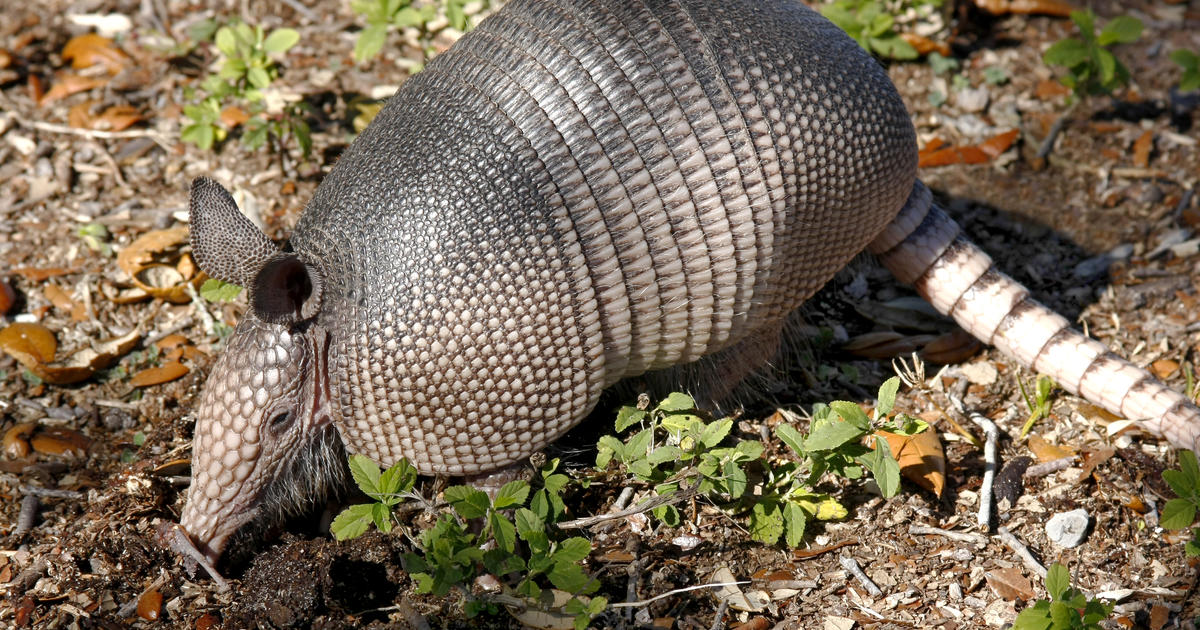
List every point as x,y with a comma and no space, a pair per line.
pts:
1119,178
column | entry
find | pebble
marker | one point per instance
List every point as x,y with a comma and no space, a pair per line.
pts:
1068,529
972,100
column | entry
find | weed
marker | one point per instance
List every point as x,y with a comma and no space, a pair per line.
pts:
1067,608
1091,66
387,488
384,15
1190,62
215,290
871,25
248,67
1180,513
1040,404
96,237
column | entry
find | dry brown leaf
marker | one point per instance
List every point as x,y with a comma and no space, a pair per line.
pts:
1142,148
1010,584
548,612
60,441
85,51
233,116
999,143
157,375
1047,452
34,347
8,296
1092,459
80,114
149,605
116,118
66,84
154,261
923,45
33,274
171,341
1048,89
1041,7
16,440
955,346
30,344
921,458
813,552
37,91
1164,368
885,344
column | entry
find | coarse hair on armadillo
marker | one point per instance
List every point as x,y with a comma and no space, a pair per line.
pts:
315,474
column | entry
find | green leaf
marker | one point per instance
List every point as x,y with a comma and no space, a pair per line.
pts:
280,40
749,449
408,16
795,521
887,396
1067,52
638,445
608,447
1192,548
1058,579
258,77
790,436
365,473
467,501
1086,22
501,562
1190,468
766,522
1063,616
629,416
225,41
503,531
1108,67
512,493
370,42
569,577
676,402
852,413
215,290
573,549
200,134
528,521
1122,30
1033,618
398,478
382,516
663,454
893,46
735,479
353,521
883,467
1178,514
1179,482
667,514
830,435
715,431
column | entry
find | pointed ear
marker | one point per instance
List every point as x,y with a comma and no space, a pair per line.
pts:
287,290
225,244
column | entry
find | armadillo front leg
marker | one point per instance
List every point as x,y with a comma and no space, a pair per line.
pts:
924,247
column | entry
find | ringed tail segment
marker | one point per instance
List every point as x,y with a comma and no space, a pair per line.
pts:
925,248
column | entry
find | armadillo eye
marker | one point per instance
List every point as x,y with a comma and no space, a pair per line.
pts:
280,421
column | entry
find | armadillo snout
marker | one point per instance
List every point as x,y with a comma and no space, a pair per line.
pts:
252,421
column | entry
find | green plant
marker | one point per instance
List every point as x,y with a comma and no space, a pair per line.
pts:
674,447
871,25
387,488
1067,608
215,290
96,237
248,67
1040,404
384,15
451,554
1190,62
1091,66
1180,513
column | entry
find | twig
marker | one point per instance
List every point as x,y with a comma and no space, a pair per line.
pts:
1052,466
675,592
717,618
96,133
1022,552
633,577
1048,143
52,493
991,435
413,618
965,537
851,565
27,518
645,506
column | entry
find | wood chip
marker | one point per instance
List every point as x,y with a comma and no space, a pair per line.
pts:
157,375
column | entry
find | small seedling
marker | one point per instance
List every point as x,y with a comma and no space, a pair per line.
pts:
995,75
1039,406
1180,513
1091,66
215,290
383,16
1067,608
941,64
96,237
387,489
1190,62
248,67
870,24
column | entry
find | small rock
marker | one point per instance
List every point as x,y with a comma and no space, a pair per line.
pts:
1068,529
980,373
1169,240
973,100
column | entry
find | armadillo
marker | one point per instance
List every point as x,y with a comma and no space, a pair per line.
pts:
577,192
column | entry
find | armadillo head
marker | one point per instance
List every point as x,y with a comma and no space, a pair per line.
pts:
264,438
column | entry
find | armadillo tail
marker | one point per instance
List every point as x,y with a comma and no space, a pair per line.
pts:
924,247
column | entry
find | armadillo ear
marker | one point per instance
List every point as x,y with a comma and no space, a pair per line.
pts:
225,244
287,290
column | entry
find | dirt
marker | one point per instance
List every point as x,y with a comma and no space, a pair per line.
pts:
90,556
